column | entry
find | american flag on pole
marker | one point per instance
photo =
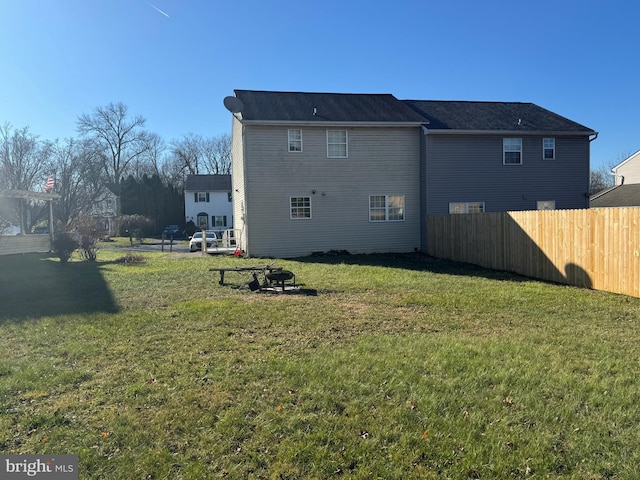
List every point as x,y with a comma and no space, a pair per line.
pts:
51,182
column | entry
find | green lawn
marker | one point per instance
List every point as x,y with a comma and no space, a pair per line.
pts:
390,367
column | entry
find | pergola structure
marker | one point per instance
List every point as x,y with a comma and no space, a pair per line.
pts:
28,195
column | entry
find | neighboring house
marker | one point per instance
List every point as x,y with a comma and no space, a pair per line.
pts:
359,172
626,191
105,211
617,196
208,201
628,171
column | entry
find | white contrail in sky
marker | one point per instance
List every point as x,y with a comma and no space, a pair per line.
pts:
158,10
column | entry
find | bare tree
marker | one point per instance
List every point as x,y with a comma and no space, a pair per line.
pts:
203,155
24,164
188,153
80,180
600,179
118,139
23,158
217,154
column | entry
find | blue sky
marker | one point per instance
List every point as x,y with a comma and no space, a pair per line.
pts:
173,61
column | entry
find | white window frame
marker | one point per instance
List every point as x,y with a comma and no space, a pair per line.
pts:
511,145
391,209
549,144
332,143
294,136
298,206
466,207
218,220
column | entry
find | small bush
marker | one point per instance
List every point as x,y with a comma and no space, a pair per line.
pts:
64,244
88,235
129,258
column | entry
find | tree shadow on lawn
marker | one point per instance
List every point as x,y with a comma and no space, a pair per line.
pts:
33,286
412,261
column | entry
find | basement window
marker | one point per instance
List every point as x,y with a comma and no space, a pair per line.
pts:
466,207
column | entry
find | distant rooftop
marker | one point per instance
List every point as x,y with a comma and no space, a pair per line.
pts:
620,196
208,183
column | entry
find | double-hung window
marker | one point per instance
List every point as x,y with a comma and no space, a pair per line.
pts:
512,151
219,220
300,208
201,197
295,140
337,144
386,208
549,148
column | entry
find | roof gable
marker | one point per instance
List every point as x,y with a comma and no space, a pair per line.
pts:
630,158
324,107
208,183
493,116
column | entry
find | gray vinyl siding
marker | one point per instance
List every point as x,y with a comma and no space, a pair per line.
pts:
469,168
381,161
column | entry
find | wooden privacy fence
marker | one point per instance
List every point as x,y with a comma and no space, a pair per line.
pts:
594,248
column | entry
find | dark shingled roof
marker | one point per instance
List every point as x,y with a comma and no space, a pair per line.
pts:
328,107
492,116
435,114
208,183
620,196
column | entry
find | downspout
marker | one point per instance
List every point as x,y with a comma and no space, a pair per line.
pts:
595,136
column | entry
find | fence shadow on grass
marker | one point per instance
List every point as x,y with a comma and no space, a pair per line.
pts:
412,261
33,286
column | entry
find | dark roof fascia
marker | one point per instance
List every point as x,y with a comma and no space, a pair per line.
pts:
331,123
516,133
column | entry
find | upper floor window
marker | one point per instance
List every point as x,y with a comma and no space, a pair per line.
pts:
201,197
512,151
295,140
300,207
466,207
337,144
549,148
386,208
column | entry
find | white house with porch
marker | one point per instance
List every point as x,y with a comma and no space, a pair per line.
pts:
208,202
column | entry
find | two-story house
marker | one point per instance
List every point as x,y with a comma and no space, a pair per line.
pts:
208,201
359,172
